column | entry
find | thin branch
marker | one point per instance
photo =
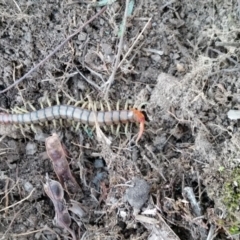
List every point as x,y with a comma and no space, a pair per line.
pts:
134,43
116,64
3,209
55,50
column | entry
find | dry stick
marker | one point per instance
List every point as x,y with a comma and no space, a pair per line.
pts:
6,195
88,80
19,201
9,226
130,49
45,228
54,51
116,64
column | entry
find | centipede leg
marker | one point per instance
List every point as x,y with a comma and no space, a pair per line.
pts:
118,129
22,130
119,125
126,129
33,128
31,106
77,126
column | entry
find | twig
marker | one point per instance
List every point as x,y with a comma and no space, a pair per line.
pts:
109,82
88,80
154,167
9,226
6,195
45,228
224,55
19,9
130,49
190,196
54,51
3,209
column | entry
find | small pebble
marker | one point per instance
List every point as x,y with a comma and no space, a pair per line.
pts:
28,186
98,163
156,57
40,136
82,36
138,195
106,48
31,148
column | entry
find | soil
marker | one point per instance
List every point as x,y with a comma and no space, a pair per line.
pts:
181,181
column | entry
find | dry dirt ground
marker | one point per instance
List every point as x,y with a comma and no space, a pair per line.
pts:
178,61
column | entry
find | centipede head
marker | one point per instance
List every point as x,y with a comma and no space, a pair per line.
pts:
139,117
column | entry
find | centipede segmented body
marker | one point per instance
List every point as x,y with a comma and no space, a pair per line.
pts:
77,114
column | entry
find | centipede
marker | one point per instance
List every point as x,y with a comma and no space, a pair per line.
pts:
77,114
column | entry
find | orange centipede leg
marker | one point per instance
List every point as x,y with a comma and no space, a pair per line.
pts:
140,118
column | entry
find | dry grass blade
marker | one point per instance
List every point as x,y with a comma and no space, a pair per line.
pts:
117,65
108,84
60,163
24,199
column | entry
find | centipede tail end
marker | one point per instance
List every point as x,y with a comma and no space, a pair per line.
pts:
140,118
